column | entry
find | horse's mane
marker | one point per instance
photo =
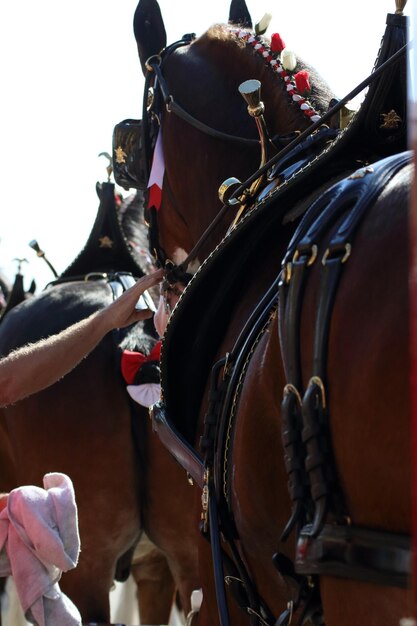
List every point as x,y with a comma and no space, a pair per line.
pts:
232,54
135,230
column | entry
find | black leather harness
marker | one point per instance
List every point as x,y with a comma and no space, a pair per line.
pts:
334,548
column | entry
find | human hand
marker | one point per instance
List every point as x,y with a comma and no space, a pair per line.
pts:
122,312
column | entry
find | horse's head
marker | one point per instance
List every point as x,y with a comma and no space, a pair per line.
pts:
199,77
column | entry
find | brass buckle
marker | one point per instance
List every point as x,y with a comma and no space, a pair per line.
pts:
346,255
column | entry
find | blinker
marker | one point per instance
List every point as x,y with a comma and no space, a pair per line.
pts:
129,167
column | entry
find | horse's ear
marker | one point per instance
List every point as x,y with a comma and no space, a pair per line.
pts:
149,30
239,14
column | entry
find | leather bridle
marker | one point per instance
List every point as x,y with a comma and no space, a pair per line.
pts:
152,114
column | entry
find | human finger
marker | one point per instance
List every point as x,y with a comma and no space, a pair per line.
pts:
150,279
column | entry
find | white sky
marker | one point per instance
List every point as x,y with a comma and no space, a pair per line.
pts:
69,72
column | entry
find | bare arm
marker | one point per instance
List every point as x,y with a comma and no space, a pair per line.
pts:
36,366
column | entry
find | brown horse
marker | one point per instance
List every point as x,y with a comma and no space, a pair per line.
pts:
363,367
87,426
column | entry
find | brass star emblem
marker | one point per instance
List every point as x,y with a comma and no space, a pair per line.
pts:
390,120
120,155
105,242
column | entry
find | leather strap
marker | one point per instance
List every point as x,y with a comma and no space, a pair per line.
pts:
186,456
370,555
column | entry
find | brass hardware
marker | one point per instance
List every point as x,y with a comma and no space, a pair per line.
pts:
312,258
237,218
226,190
105,242
390,120
290,389
287,272
345,117
399,6
250,90
316,380
287,269
120,155
348,251
190,479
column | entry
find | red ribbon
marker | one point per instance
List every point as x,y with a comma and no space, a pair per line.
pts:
155,196
133,361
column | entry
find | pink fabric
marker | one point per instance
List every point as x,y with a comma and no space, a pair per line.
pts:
38,541
146,394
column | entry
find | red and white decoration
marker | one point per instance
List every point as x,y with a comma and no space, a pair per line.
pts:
145,394
156,176
283,62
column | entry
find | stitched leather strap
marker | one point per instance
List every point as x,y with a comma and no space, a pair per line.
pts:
358,553
176,444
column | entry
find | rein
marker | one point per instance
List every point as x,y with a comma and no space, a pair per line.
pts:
175,273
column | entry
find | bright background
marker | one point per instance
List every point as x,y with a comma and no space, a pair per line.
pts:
70,72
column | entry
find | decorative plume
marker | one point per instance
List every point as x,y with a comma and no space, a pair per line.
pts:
288,60
262,26
302,83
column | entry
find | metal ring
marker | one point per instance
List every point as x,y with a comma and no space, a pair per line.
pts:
168,103
348,250
95,276
312,258
156,58
317,381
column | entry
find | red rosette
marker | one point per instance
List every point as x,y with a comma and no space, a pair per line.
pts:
277,44
301,79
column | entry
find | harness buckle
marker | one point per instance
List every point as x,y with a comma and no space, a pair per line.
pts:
312,254
347,249
313,251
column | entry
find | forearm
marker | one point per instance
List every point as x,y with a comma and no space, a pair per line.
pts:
36,366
